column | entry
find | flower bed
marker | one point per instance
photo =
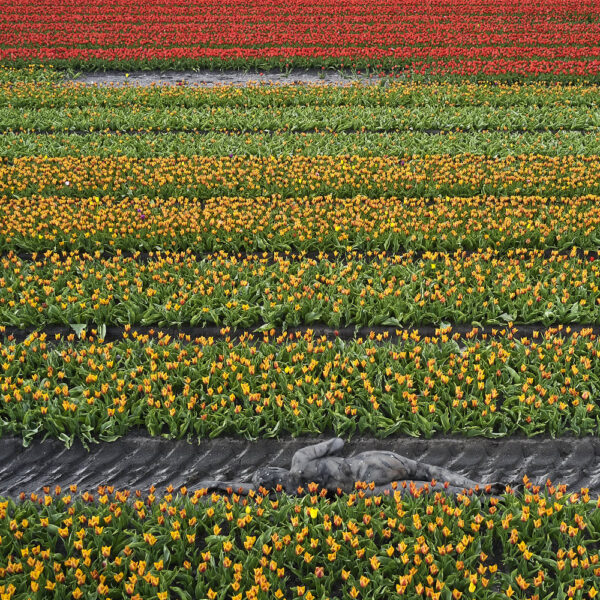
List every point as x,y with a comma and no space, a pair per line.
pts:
401,120
172,288
47,88
542,543
380,184
263,386
402,144
373,176
513,38
199,109
310,224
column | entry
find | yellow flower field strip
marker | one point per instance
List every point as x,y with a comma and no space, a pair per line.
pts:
175,288
262,385
140,145
393,94
127,544
465,174
39,223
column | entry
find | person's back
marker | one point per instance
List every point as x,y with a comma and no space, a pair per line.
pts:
317,463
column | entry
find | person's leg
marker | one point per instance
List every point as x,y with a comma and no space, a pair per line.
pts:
441,474
382,467
405,487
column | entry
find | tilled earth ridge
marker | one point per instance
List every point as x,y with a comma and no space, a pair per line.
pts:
208,78
138,460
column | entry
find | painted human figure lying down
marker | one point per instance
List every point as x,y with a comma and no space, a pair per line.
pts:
321,464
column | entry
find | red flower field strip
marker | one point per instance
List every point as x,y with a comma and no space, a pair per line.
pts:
312,30
167,35
523,59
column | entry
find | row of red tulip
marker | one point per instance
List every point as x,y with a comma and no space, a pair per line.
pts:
446,36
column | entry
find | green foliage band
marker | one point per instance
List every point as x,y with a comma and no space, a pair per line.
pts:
262,386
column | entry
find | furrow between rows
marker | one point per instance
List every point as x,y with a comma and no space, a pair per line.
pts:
186,333
138,461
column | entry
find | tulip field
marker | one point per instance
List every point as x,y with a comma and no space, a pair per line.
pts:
120,544
410,254
497,38
264,385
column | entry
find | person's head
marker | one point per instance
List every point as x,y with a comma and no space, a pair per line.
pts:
271,477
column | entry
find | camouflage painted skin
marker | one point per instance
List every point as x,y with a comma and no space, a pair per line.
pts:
321,464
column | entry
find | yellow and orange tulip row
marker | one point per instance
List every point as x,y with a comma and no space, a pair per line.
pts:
411,542
205,177
19,90
524,286
263,385
322,223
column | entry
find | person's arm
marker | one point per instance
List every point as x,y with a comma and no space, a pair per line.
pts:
320,450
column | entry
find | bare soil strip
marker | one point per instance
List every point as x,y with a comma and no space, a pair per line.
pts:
138,461
208,78
464,331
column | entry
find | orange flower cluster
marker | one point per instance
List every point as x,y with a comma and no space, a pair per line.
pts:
199,176
263,385
306,223
412,542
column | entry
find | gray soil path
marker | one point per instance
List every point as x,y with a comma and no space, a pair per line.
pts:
138,461
207,78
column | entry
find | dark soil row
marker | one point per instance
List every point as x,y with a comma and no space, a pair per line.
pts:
464,331
364,255
138,461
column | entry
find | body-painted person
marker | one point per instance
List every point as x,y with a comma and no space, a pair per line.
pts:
321,464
